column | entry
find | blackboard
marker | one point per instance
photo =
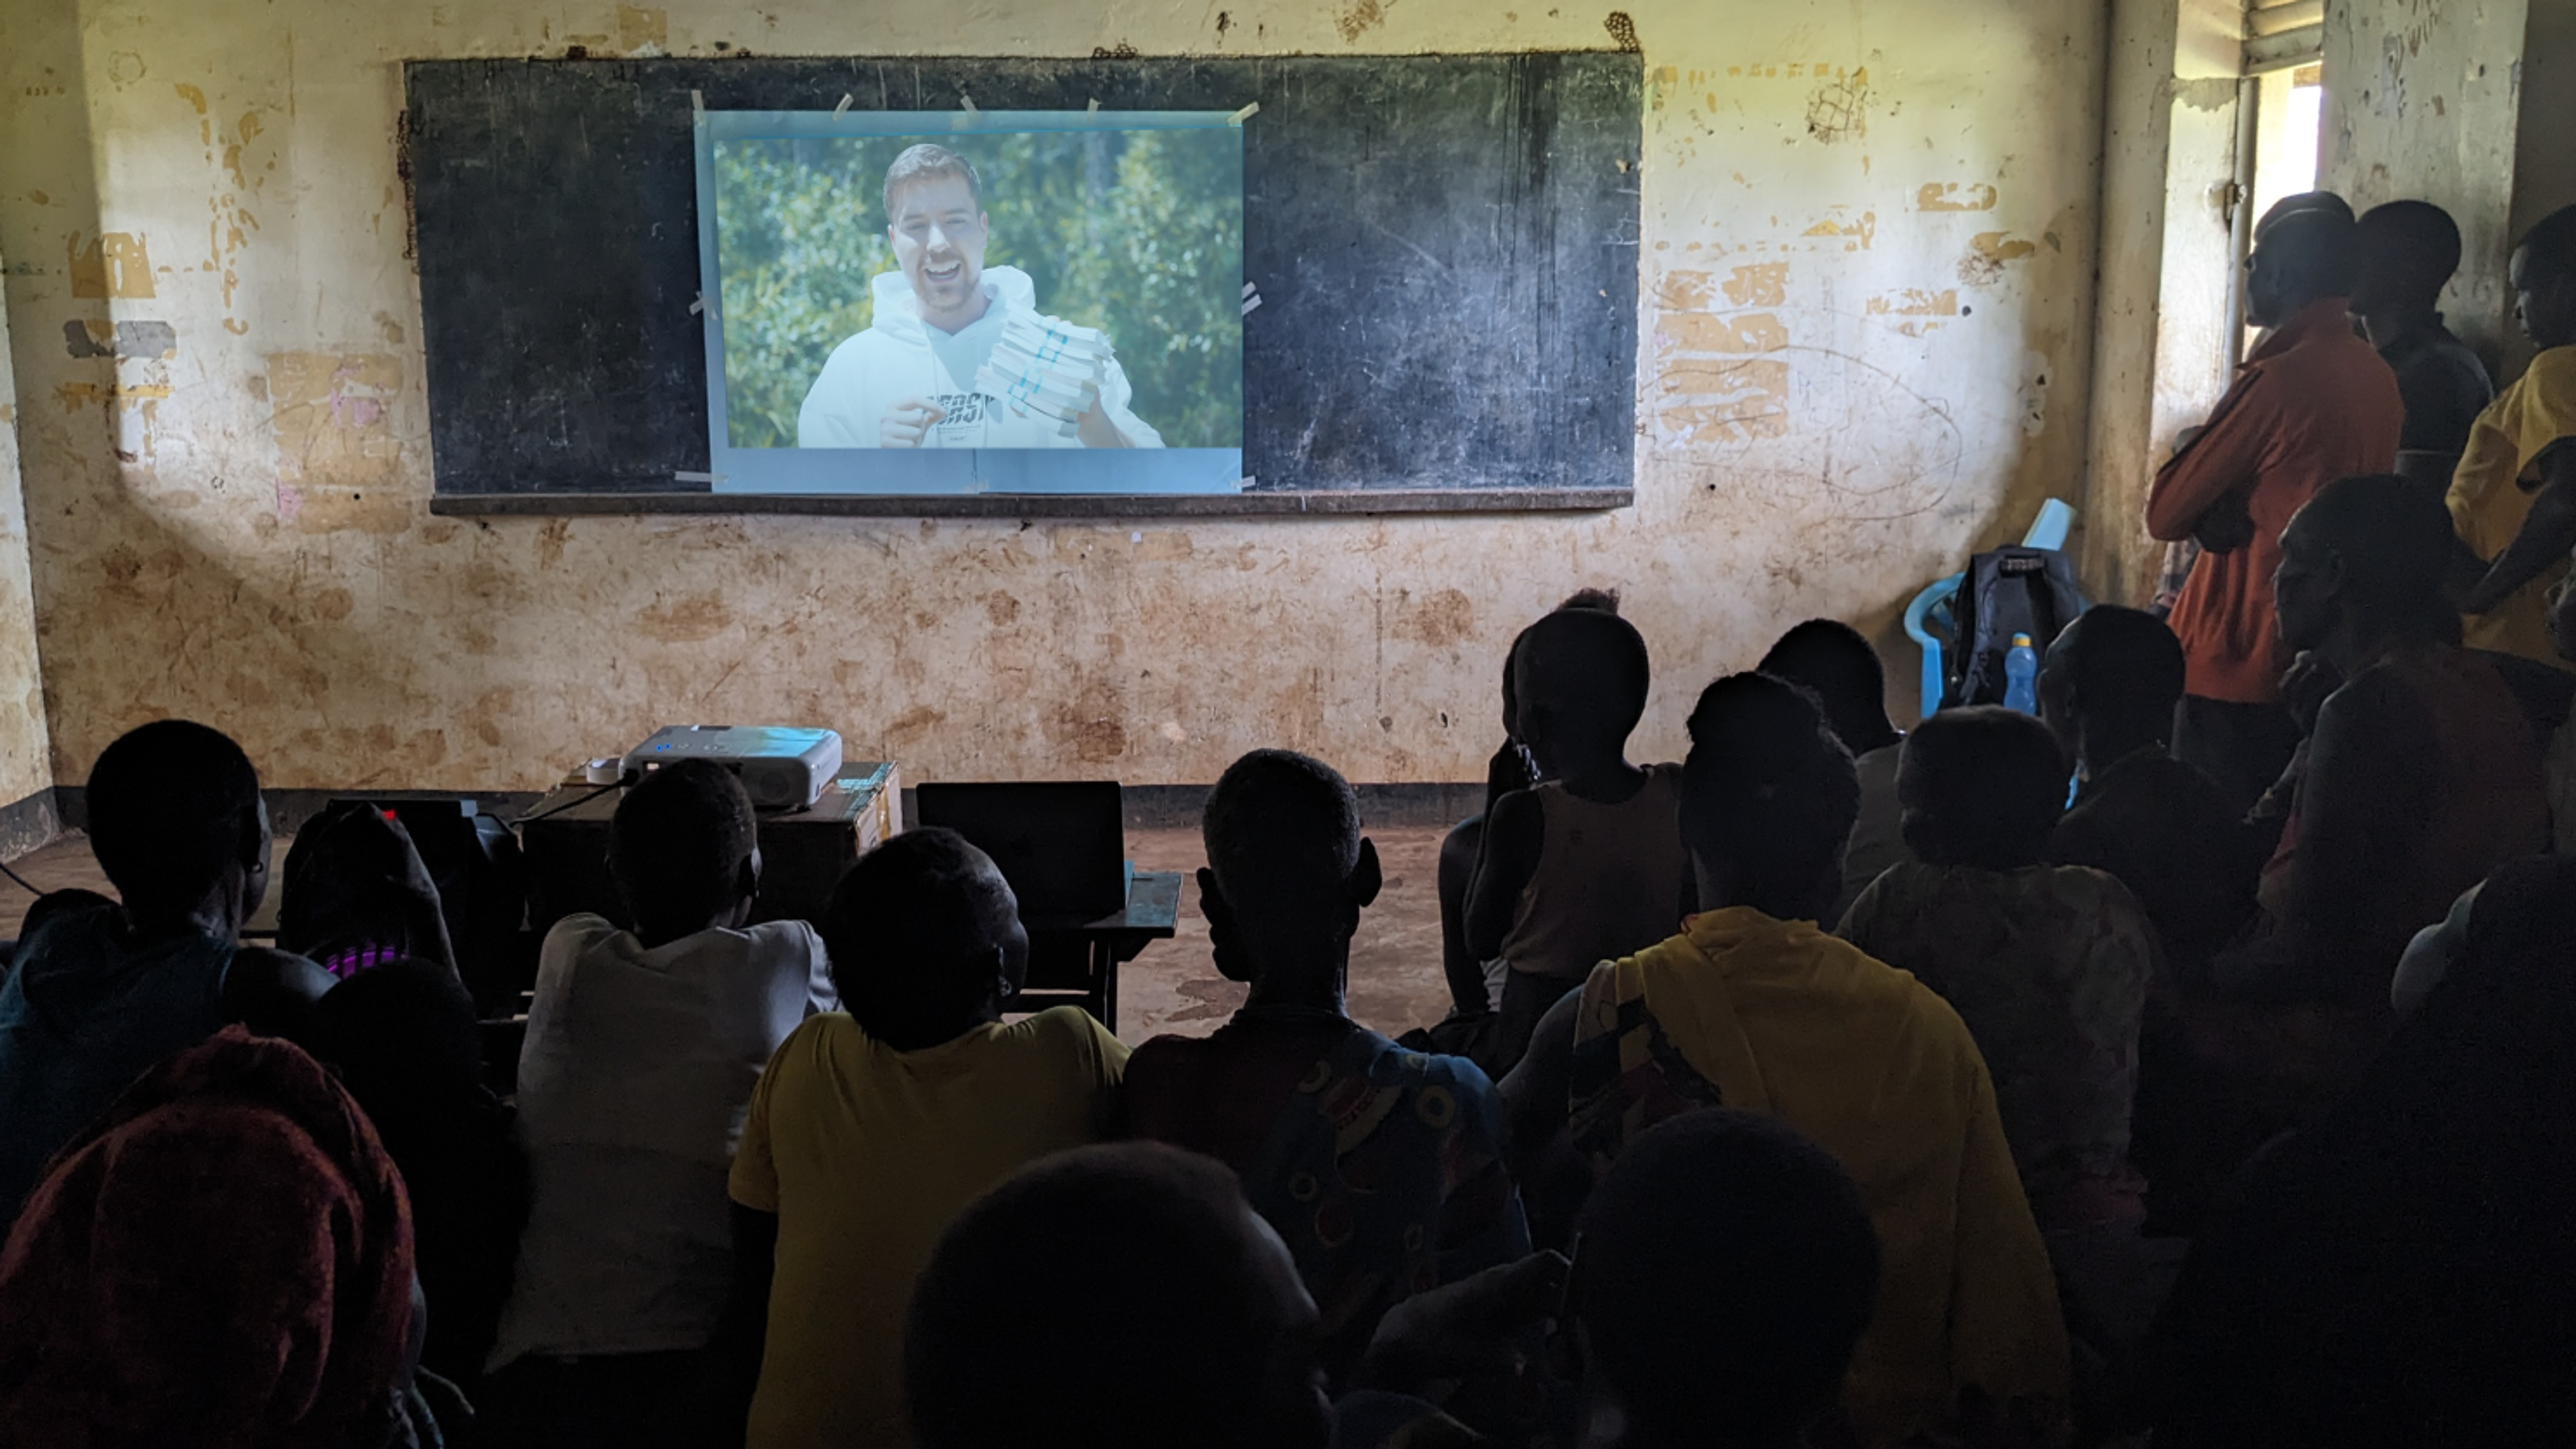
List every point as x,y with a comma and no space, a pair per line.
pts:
1445,248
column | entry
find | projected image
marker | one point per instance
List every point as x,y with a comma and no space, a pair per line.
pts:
1017,284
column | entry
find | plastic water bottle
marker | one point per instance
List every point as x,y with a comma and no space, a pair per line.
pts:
2021,676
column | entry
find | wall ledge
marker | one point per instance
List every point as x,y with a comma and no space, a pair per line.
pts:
1045,505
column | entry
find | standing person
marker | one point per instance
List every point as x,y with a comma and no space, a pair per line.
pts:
103,989
1834,660
1380,1167
2514,497
1588,864
2409,249
870,1129
1754,1006
642,1051
908,381
2312,404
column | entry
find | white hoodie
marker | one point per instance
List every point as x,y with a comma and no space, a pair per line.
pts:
900,356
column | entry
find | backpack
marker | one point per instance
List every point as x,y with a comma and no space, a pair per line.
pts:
2007,591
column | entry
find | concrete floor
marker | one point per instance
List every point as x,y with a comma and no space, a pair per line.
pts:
1395,981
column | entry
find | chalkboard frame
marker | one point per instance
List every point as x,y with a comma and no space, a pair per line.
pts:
510,312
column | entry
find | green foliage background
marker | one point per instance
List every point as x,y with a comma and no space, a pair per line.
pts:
1138,233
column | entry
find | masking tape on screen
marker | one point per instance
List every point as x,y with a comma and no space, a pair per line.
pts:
846,99
687,477
1246,114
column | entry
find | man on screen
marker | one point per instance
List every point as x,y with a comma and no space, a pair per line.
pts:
909,380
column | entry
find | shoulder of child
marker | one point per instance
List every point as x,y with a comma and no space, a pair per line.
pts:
578,932
1074,1029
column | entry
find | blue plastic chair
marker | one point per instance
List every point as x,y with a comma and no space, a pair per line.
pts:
1932,606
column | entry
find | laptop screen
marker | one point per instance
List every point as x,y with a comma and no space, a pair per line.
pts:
1061,844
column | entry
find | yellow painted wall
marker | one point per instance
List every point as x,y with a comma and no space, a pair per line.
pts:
1866,267
26,766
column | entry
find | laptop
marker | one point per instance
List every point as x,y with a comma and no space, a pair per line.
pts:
1061,844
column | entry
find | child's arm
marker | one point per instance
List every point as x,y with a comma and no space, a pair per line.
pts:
1515,834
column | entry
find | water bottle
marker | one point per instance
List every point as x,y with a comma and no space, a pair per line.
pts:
2021,676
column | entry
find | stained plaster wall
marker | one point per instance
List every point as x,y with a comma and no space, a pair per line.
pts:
2161,357
2423,101
26,766
1868,242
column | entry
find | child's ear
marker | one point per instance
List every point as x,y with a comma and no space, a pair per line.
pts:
747,881
1367,876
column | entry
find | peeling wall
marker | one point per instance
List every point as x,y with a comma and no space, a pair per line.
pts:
2423,102
1869,237
26,766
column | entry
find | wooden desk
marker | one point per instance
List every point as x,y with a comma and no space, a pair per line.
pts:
1076,963
802,852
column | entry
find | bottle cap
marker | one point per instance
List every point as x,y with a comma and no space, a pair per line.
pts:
2021,641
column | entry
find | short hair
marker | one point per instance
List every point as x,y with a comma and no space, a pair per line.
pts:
2319,247
2390,534
1121,1286
171,805
1588,597
678,842
925,162
2119,660
1767,785
1728,1268
2414,245
907,928
1588,661
1282,833
2550,246
1990,781
2299,201
1839,665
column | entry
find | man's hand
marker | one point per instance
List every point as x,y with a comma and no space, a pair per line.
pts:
908,422
2227,526
2306,686
1095,430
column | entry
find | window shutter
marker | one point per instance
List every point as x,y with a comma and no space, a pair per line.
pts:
2280,34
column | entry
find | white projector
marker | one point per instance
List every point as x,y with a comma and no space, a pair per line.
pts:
780,768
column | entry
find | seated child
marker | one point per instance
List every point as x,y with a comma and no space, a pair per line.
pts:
870,1130
1837,664
1729,1269
403,1038
2047,965
1753,1006
102,990
221,1257
1380,1167
355,894
643,1047
2108,688
1587,865
1473,983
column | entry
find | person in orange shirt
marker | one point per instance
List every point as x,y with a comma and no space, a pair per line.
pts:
2314,403
2514,496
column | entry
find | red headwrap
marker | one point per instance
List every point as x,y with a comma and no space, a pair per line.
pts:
222,1259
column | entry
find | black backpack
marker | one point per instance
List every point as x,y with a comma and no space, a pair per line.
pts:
2007,591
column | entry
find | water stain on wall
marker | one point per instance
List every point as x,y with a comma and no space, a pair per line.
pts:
144,339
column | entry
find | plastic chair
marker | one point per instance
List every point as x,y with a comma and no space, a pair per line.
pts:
1932,606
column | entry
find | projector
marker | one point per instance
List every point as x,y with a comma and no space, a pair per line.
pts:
780,768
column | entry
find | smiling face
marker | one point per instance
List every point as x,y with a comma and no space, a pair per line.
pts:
939,234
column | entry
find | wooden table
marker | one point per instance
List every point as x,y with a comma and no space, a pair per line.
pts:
1075,963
